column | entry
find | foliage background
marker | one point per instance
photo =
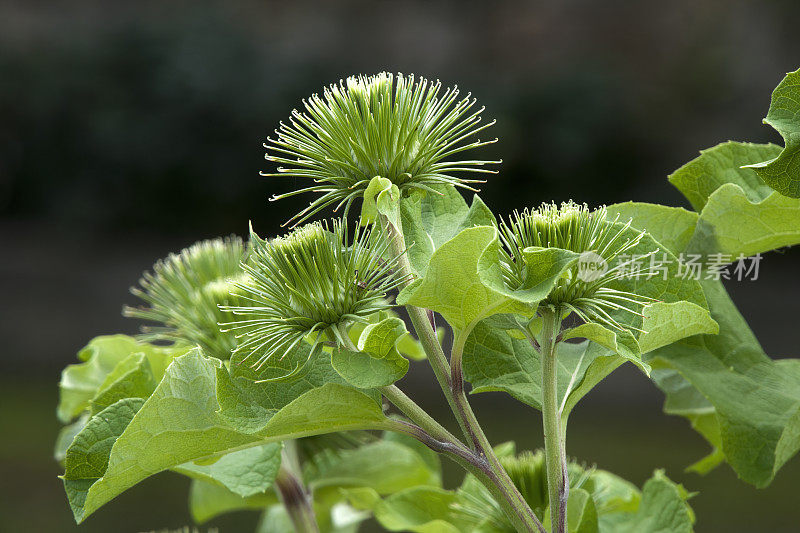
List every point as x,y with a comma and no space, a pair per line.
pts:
129,130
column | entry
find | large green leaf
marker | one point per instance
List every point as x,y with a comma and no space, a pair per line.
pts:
329,408
672,227
432,218
683,399
732,224
131,378
782,173
208,500
722,164
249,405
496,361
756,401
418,509
81,382
464,280
244,472
87,456
663,508
385,466
180,422
739,213
743,403
366,372
665,323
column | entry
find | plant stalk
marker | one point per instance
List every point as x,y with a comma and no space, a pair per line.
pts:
420,417
483,446
555,453
297,501
407,406
451,380
422,324
476,465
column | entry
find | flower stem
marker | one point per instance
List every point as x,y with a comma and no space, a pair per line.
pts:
478,466
451,380
297,501
413,411
422,324
555,454
482,444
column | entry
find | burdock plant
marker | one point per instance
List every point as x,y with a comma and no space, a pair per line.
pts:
263,351
404,129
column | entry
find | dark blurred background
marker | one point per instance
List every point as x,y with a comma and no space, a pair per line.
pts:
131,129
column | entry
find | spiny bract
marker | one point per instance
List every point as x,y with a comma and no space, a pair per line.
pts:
401,128
184,292
575,228
307,285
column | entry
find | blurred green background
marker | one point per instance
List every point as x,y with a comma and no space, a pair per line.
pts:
131,129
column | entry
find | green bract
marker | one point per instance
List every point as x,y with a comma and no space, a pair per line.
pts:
184,293
309,283
404,129
602,243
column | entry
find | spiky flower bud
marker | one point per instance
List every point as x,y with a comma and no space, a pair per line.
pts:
306,285
574,227
184,292
400,128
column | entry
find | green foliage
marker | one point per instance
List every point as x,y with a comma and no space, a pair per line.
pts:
316,344
782,173
496,361
663,508
724,163
181,422
755,399
366,372
599,502
738,213
733,225
112,366
741,401
246,472
464,280
431,218
379,466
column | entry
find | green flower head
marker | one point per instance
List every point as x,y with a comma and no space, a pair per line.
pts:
401,128
308,284
574,227
184,292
